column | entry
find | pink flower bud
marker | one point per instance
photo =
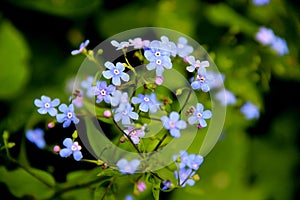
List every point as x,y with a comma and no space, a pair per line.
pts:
107,113
141,186
159,80
56,148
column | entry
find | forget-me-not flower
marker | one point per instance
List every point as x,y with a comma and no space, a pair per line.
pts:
36,136
147,102
185,176
265,36
103,92
71,148
226,97
67,116
202,81
138,43
116,72
120,45
135,134
183,49
158,60
195,64
125,113
199,116
279,45
250,110
46,105
88,85
173,123
82,47
126,167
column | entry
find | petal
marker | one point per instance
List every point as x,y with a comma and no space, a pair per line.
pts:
144,107
134,163
204,87
203,123
133,115
55,102
77,155
159,70
75,120
181,124
116,81
125,77
45,99
192,120
149,55
175,132
65,152
151,66
60,118
42,111
66,123
195,85
204,64
109,65
63,108
38,103
135,100
107,74
165,122
199,107
207,114
120,67
174,116
122,163
68,142
52,112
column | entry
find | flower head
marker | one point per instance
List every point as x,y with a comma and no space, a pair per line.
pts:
103,92
141,186
265,36
199,116
116,72
147,102
67,116
183,49
135,134
71,148
185,176
226,97
173,124
46,105
36,136
82,47
138,43
125,113
195,64
202,81
88,85
159,60
250,110
279,45
120,45
126,167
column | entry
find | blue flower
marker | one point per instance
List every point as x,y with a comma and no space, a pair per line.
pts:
199,116
261,2
125,113
265,36
129,197
147,102
158,60
71,148
103,92
115,72
185,176
119,99
166,45
194,161
250,110
167,184
226,97
183,49
279,45
67,116
46,105
195,64
81,48
135,134
202,81
126,167
182,159
120,45
36,136
173,124
138,43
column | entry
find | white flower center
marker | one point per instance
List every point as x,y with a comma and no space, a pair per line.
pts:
172,124
116,71
70,115
146,99
76,147
157,53
47,105
158,61
200,78
180,46
199,115
103,92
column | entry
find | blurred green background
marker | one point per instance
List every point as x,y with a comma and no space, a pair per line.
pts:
254,159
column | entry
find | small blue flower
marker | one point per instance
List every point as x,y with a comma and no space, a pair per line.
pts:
119,99
183,49
195,64
279,45
103,92
250,110
182,159
125,113
129,197
126,167
167,184
185,176
67,116
202,81
82,47
138,43
226,97
46,105
135,134
265,36
167,45
36,136
71,148
173,124
120,45
194,161
147,102
116,72
261,2
199,116
158,60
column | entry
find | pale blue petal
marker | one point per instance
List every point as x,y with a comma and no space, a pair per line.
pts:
181,124
116,81
38,103
202,123
125,77
77,155
68,142
65,152
174,116
192,120
60,118
207,114
107,74
175,133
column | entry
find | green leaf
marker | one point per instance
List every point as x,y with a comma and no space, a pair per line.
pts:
21,183
65,8
14,54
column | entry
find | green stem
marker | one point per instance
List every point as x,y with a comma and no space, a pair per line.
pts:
161,141
186,101
108,188
128,64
